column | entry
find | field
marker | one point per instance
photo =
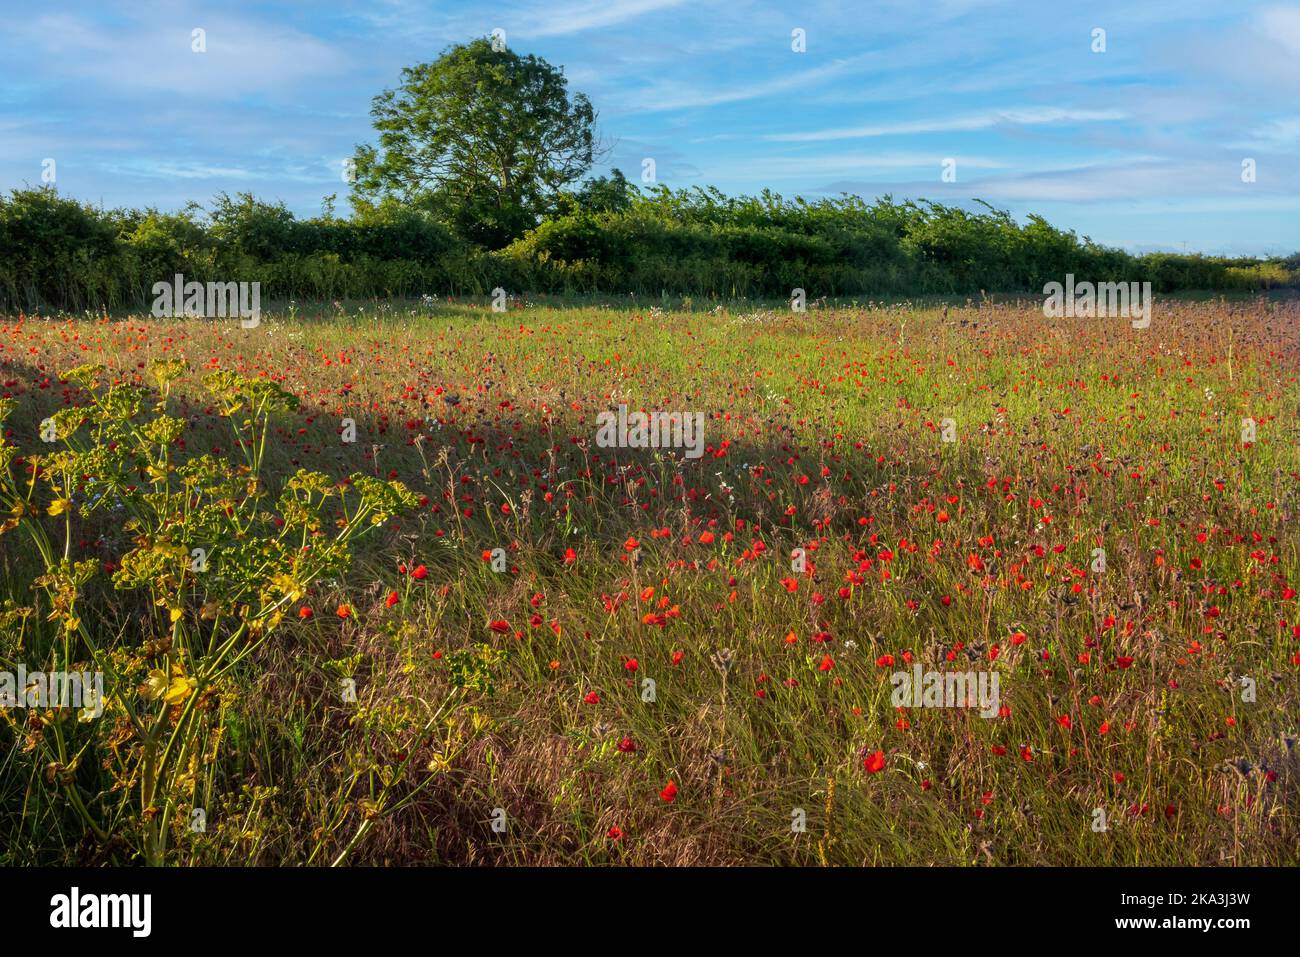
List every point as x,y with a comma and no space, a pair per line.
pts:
539,650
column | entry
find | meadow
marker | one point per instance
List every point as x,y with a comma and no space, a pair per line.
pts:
478,637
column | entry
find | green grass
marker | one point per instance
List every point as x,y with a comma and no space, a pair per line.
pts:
1092,433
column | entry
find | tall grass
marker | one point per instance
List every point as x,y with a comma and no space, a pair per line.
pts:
824,434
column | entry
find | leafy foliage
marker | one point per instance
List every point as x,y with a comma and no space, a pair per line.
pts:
216,561
483,138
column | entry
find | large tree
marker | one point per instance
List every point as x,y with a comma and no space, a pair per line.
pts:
483,138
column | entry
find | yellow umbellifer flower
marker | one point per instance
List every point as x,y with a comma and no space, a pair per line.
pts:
180,689
155,684
59,506
289,586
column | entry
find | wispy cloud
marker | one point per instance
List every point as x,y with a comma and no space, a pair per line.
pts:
1144,141
681,96
550,20
979,121
241,57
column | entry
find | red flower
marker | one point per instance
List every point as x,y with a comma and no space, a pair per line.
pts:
344,611
591,698
614,833
500,627
420,573
669,793
874,763
392,599
627,746
304,612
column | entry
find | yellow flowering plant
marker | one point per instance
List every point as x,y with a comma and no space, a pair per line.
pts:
209,561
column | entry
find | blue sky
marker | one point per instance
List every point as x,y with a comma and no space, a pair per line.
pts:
1140,146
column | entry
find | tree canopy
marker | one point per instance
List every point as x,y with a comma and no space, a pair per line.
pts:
482,137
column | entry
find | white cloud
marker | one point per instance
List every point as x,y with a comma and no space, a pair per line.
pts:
1282,25
243,57
1034,116
682,96
829,164
551,20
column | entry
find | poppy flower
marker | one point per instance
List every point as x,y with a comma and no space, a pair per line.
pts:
669,793
875,762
